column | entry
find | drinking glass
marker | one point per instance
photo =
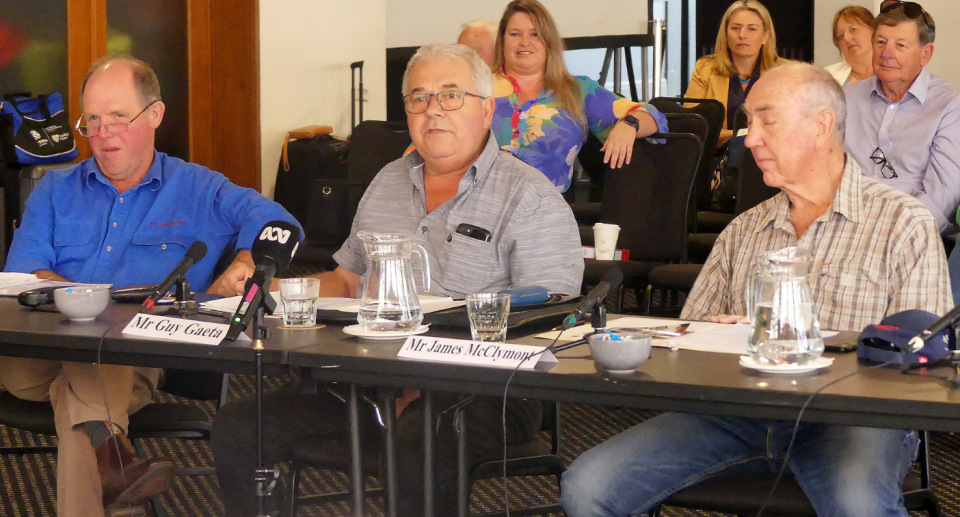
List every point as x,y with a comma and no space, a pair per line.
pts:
488,316
299,299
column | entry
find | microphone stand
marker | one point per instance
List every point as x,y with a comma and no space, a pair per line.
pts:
184,303
598,320
265,476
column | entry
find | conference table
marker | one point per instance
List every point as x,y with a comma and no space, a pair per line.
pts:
684,381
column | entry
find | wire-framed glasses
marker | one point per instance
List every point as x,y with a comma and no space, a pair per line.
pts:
114,128
450,100
886,168
912,10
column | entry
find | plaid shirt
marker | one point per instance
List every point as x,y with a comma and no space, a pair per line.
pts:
876,252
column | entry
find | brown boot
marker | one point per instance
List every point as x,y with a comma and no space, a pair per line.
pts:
138,481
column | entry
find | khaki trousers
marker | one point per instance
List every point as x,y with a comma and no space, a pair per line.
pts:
77,396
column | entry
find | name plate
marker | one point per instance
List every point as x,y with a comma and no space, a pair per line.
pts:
461,351
176,329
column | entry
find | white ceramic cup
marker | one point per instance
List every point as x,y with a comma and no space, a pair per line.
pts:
605,240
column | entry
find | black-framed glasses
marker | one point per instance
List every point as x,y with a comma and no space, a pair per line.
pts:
886,168
911,10
450,100
112,129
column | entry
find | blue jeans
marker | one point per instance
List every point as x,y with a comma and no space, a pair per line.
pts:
845,471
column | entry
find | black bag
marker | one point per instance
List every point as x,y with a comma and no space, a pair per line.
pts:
333,204
323,157
36,130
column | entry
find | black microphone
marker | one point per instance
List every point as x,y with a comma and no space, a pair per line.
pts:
611,280
948,320
196,252
271,251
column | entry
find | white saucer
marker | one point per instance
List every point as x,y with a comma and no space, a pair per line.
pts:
820,362
360,332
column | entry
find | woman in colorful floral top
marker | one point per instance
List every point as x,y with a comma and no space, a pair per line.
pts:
543,113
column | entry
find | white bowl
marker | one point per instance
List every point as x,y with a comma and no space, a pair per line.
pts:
620,356
82,302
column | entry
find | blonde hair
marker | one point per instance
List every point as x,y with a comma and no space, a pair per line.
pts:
722,62
555,76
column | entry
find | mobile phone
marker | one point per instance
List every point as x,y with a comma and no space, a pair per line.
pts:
840,348
474,232
36,297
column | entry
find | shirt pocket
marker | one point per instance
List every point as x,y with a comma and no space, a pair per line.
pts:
469,264
861,292
74,241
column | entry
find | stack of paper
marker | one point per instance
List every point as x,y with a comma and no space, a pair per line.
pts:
12,284
700,335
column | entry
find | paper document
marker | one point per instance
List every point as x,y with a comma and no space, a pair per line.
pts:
229,305
701,335
12,284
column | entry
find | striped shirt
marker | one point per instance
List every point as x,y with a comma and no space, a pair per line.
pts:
876,252
534,237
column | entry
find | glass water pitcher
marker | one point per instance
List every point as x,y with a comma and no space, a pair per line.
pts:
389,301
783,320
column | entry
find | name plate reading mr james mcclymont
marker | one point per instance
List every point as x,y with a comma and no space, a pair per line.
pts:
461,351
176,329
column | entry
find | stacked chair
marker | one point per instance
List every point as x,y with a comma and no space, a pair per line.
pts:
649,198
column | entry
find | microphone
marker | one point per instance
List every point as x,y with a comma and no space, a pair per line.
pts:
948,320
271,251
611,280
196,252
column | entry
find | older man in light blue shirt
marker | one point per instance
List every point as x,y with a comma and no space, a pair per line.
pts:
903,127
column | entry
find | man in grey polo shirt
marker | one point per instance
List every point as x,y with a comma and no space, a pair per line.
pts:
457,175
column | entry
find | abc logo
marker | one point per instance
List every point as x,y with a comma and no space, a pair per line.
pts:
275,234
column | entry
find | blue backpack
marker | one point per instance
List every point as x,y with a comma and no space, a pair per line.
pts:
36,130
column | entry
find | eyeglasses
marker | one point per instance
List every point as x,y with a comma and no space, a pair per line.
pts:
115,128
885,166
450,100
911,10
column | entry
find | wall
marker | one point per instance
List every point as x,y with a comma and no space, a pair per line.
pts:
306,48
407,17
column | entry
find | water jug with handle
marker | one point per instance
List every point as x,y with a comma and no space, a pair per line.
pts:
389,301
784,328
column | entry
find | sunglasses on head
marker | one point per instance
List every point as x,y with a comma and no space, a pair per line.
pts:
911,10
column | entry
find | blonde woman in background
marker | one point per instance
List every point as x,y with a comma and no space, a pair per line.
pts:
746,48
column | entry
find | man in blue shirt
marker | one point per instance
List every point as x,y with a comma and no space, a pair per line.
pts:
125,217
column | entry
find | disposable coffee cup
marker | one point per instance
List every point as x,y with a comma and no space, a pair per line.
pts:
605,240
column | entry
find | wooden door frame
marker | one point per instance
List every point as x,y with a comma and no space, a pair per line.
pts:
223,56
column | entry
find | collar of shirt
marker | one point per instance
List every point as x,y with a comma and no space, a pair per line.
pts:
847,201
476,173
918,89
154,174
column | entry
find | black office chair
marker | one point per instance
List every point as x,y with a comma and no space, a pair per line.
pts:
744,494
714,113
588,213
648,199
155,420
672,279
533,458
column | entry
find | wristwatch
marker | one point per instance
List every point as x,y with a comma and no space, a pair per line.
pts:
632,122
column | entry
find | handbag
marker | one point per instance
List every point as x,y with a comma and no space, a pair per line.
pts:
726,177
36,130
